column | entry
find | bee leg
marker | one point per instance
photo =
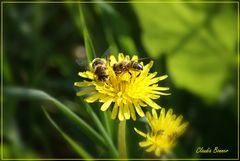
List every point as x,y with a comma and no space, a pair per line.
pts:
130,73
138,74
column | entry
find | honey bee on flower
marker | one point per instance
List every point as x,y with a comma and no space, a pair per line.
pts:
99,66
127,92
127,65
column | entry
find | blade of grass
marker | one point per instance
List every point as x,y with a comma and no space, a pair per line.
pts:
107,138
40,95
105,117
79,150
90,52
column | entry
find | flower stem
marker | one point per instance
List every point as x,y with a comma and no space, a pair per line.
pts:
122,139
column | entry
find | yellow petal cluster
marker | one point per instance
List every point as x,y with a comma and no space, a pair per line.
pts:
128,91
165,129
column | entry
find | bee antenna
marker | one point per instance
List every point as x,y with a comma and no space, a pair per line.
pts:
143,58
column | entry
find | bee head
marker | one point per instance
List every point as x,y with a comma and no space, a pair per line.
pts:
97,61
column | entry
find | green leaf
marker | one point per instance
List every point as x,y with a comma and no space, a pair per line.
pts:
105,117
199,40
199,70
164,25
90,52
81,152
41,95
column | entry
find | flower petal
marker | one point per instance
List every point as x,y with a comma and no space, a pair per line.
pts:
127,57
138,109
132,111
120,57
151,148
86,91
126,111
140,132
151,75
112,60
182,128
169,113
163,77
135,58
106,105
87,74
151,103
155,80
142,104
120,113
154,114
85,83
149,117
145,143
179,119
161,88
154,96
162,115
93,98
114,111
160,93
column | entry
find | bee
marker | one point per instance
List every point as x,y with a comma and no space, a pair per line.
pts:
127,66
99,66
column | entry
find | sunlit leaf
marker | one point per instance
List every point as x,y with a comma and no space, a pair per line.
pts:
199,40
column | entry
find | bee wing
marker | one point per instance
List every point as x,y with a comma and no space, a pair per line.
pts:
106,53
81,62
79,52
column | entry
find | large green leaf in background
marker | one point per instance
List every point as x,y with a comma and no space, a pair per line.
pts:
199,40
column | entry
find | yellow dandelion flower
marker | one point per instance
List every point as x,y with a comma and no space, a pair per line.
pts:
165,129
129,90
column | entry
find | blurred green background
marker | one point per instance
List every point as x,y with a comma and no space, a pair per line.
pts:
194,43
